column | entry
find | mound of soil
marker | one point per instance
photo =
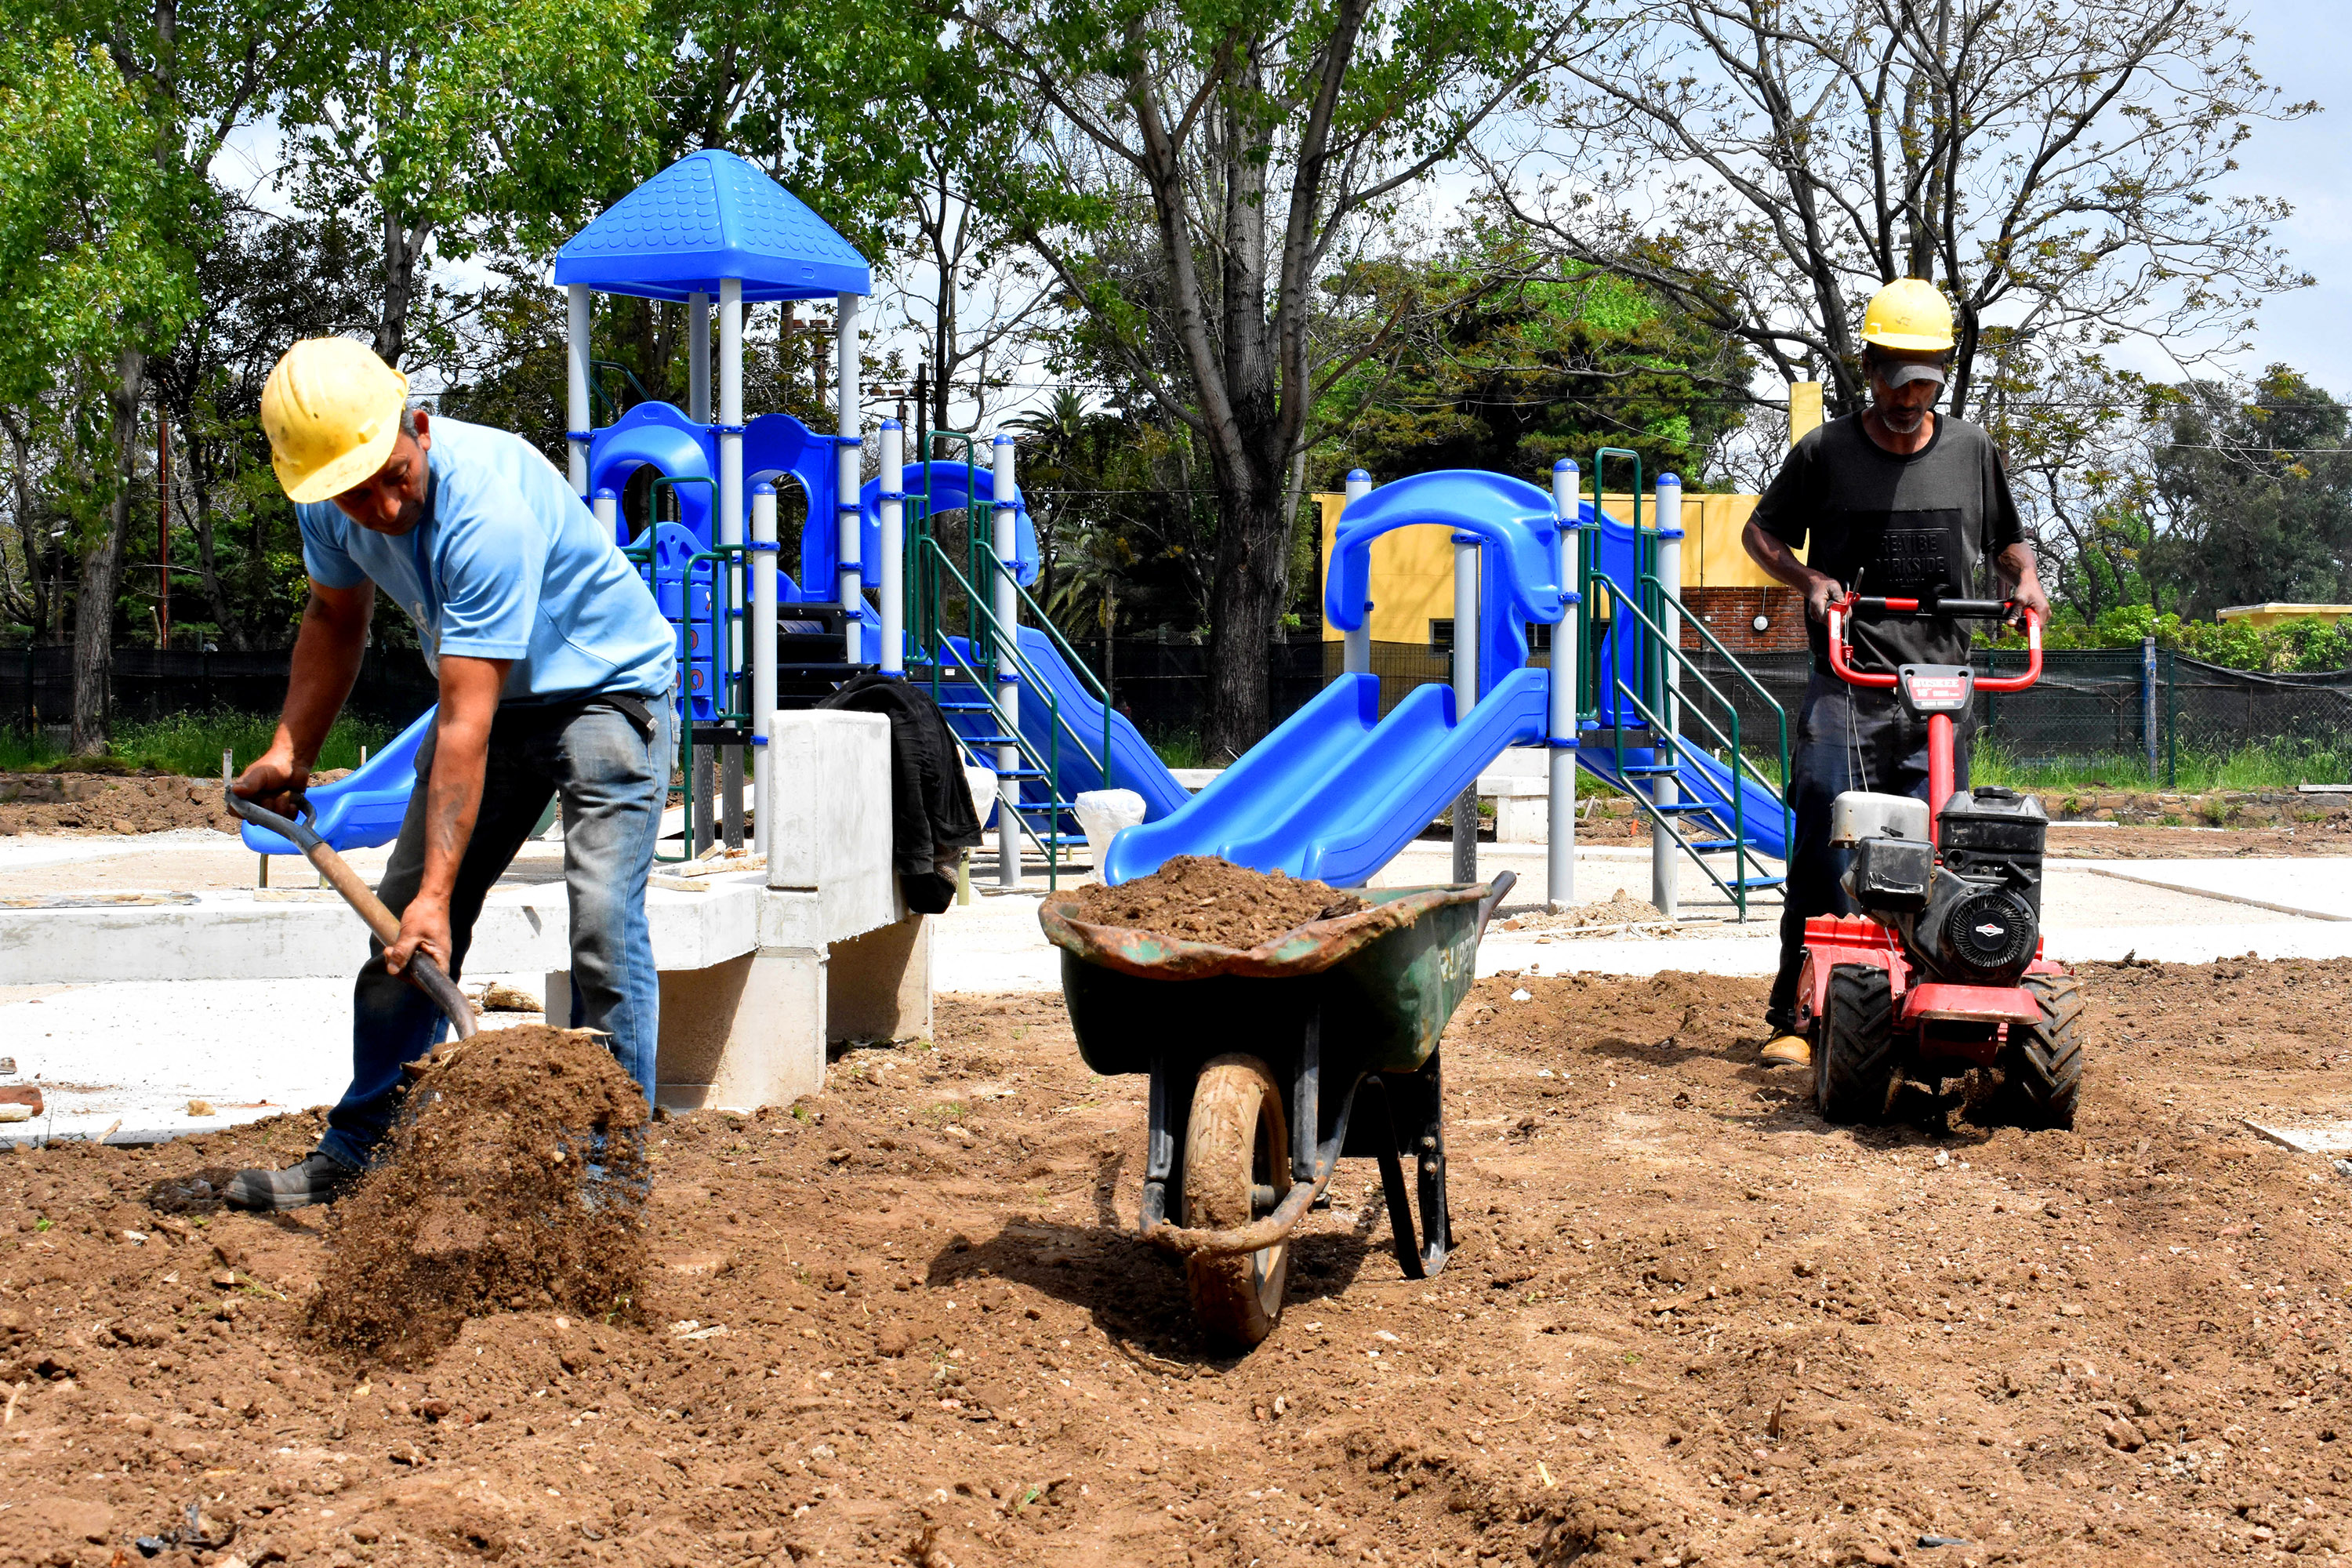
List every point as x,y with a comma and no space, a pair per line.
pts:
1684,1319
1199,897
99,803
87,798
518,1182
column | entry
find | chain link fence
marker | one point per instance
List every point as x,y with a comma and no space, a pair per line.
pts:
2116,710
37,685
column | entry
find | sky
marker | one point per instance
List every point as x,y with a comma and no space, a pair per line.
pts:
2302,46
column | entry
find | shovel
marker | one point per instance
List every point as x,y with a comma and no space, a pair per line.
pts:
422,972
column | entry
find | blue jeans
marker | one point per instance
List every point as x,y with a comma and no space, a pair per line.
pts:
1836,723
613,781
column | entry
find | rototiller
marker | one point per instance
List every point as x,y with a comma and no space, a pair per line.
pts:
1942,973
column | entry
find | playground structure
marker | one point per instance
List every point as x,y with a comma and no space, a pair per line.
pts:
1337,790
884,578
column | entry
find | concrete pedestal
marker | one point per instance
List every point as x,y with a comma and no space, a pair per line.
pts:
755,1029
833,954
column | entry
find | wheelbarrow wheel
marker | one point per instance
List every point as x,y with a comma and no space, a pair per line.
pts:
1236,1168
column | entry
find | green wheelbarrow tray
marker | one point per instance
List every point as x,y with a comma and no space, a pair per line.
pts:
1385,979
1332,1009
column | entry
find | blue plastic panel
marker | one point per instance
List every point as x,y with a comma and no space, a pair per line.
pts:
363,808
950,487
659,436
710,215
1518,558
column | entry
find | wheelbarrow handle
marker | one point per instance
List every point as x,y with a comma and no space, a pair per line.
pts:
422,970
1495,890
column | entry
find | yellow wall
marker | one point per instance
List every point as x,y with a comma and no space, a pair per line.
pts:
2273,615
1412,568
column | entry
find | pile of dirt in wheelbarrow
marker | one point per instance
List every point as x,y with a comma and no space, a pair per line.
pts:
1199,897
517,1185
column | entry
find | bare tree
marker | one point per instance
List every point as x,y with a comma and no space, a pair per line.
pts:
2052,163
1242,147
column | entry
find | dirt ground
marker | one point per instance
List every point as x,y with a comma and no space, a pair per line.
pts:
2332,837
1685,1322
98,802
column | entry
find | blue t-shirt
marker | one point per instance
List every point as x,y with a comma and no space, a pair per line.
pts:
506,562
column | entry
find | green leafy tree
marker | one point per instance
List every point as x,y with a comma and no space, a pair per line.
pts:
93,278
466,127
2253,493
2059,165
1514,369
263,282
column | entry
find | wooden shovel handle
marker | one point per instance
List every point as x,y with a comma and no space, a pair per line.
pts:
355,892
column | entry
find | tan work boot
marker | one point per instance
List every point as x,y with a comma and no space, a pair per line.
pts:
1788,1050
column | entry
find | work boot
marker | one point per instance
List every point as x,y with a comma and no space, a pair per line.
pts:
1788,1050
321,1178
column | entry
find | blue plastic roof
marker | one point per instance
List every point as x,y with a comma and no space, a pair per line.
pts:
706,216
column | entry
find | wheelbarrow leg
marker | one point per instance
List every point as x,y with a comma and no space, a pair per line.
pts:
1417,1130
1400,1213
1436,1219
1163,1159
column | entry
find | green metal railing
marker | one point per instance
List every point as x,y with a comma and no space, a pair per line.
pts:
1048,840
1772,703
1666,739
931,572
732,694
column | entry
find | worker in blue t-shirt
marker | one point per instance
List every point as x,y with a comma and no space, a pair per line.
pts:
556,676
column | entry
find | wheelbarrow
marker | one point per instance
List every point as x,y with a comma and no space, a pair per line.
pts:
1268,1066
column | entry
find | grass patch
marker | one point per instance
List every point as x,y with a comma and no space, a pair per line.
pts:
189,744
2279,764
1183,750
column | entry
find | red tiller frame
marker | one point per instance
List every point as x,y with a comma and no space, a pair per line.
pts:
1940,725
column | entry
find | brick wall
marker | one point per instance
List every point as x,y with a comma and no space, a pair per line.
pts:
1730,614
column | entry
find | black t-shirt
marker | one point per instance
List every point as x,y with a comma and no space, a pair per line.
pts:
1896,526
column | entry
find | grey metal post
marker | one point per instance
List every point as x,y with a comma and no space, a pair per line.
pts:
1560,847
729,529
697,357
2148,727
1666,870
890,570
1356,647
845,371
1006,681
763,656
575,403
1465,696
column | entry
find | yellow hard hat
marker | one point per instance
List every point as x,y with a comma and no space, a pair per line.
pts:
1909,315
332,412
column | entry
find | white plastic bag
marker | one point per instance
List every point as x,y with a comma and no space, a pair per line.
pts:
1101,813
982,785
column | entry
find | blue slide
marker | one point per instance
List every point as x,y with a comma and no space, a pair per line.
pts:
1335,791
1076,739
1133,764
362,809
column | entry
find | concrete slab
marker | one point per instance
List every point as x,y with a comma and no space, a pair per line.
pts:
239,935
129,1056
2312,1138
2314,890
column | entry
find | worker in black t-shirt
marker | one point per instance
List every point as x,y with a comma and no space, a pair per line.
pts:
1900,503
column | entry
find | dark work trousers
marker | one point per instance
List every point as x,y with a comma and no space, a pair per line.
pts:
614,777
1847,737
